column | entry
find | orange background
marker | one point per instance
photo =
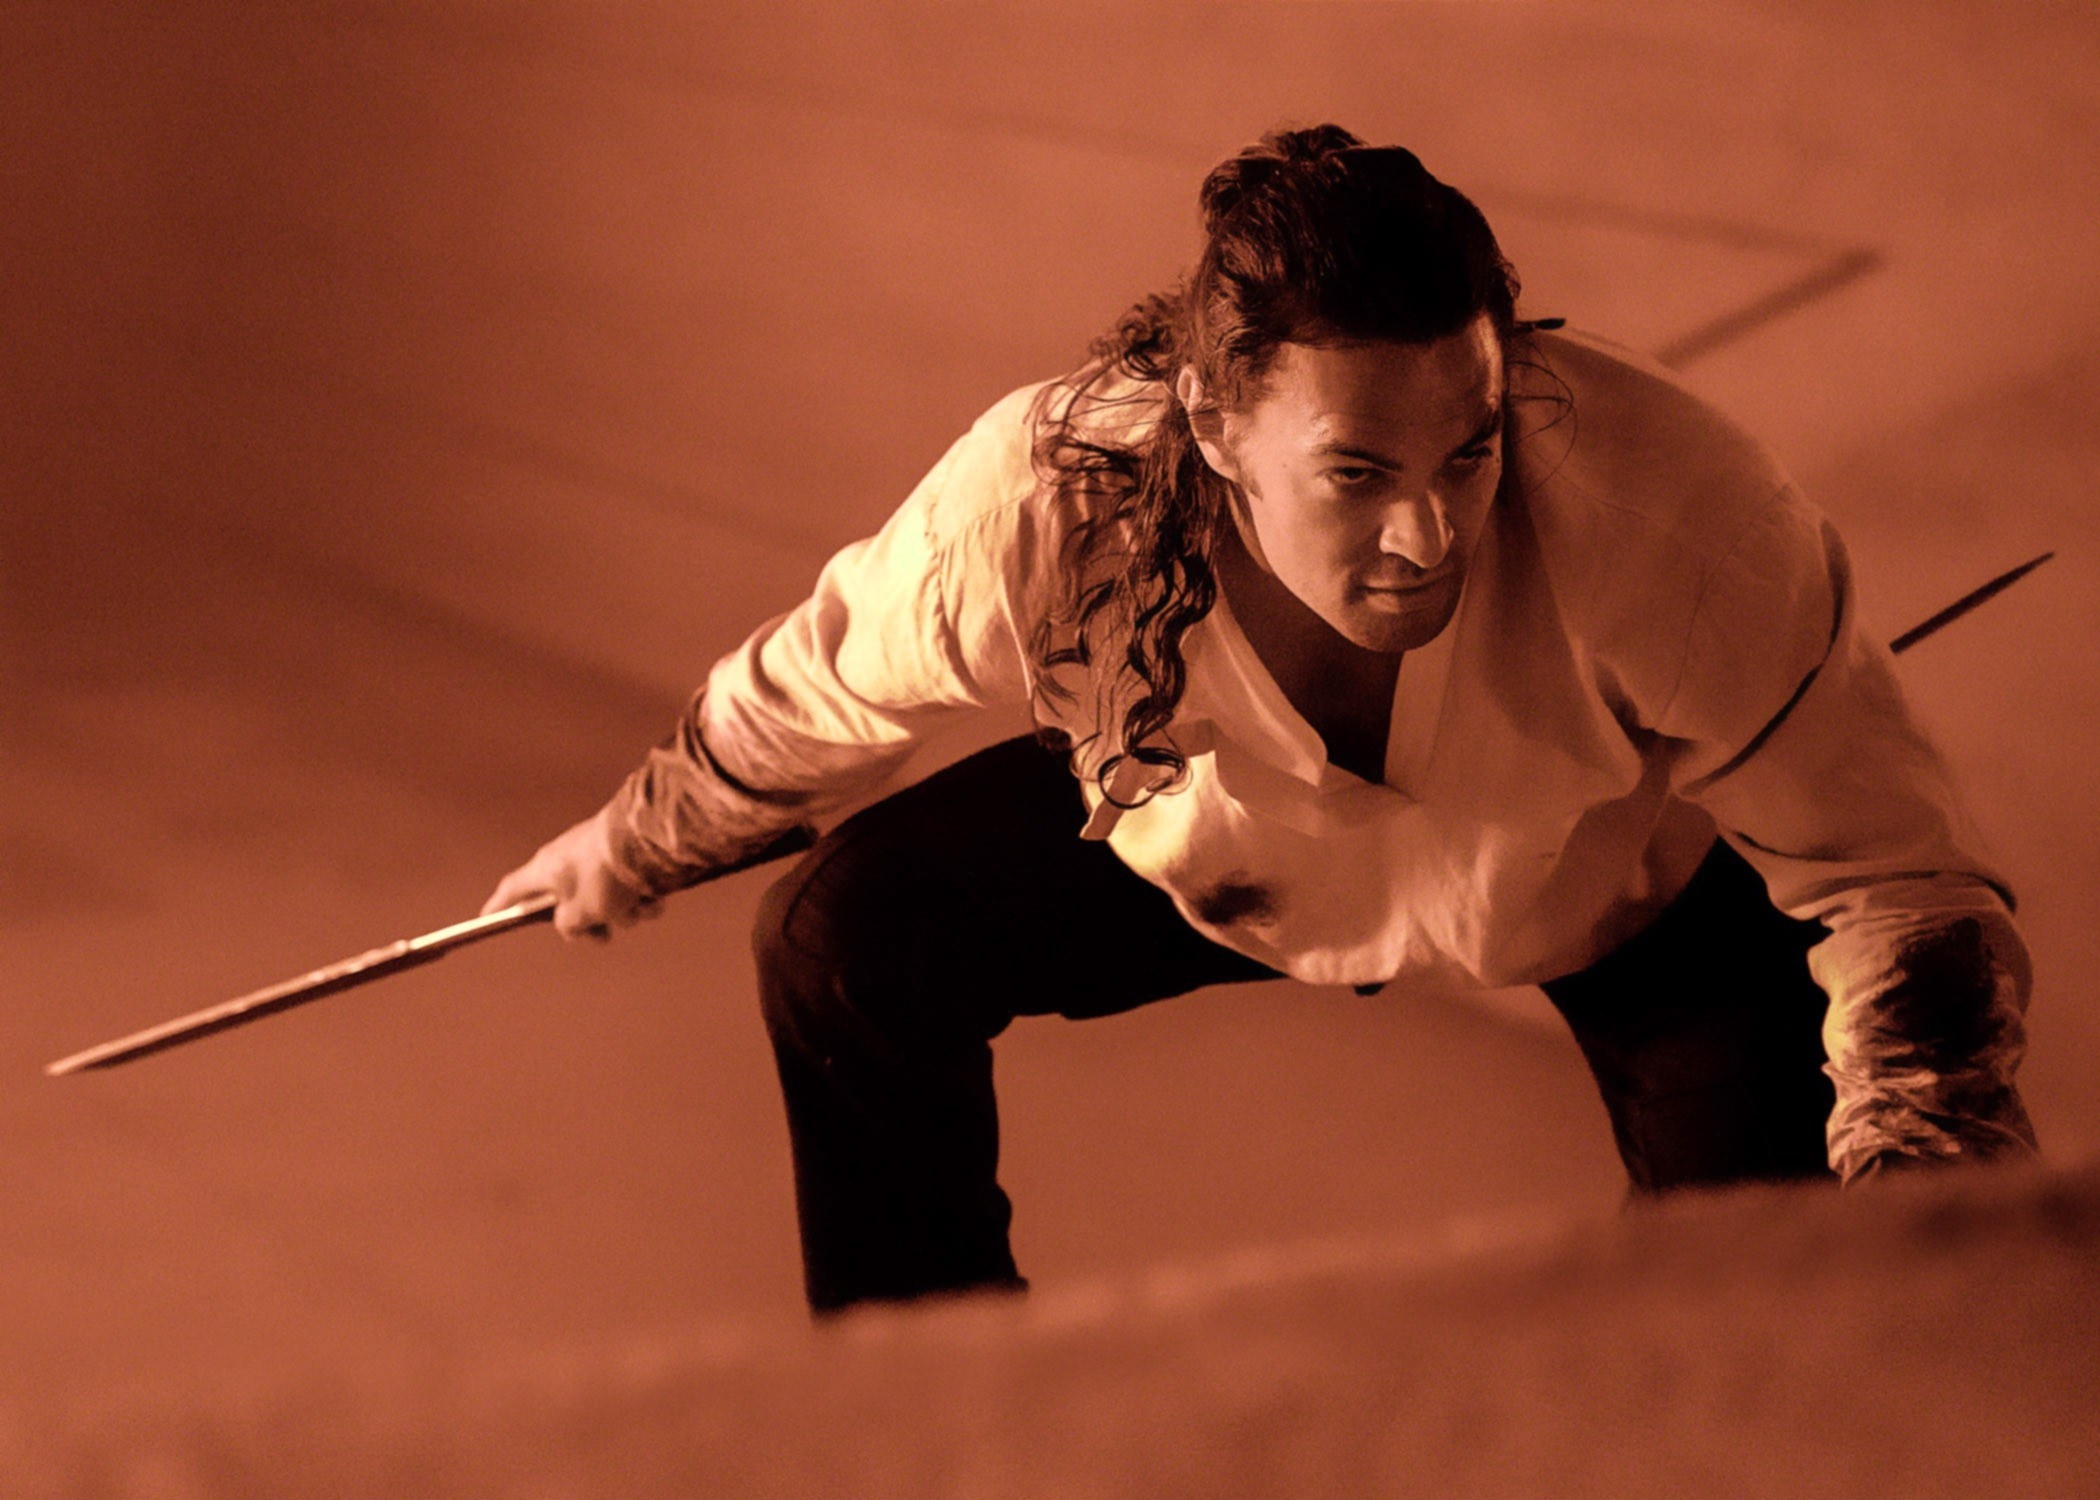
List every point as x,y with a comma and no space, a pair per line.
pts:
406,403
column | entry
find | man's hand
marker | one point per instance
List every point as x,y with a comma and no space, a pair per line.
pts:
576,868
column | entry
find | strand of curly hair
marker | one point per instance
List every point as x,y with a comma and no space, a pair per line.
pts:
1138,559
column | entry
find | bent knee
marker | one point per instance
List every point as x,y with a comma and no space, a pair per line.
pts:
836,919
857,943
834,906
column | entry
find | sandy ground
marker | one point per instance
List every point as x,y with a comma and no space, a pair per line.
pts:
366,510
1935,1338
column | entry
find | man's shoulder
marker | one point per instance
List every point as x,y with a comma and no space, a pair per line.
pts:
1655,516
1630,452
1639,438
999,475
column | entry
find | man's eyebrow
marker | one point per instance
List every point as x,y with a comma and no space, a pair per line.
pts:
1345,450
1490,424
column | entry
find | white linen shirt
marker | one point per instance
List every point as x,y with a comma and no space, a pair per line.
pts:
1656,640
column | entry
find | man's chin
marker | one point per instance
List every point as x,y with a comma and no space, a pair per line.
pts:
1396,622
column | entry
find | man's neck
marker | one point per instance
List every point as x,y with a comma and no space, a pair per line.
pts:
1342,690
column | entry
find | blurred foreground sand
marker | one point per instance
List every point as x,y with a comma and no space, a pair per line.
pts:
1935,1339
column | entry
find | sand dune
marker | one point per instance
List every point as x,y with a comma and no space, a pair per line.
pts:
1940,1337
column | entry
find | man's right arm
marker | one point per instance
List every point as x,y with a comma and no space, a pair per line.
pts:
822,705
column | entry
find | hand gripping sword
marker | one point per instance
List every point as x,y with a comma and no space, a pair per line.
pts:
375,963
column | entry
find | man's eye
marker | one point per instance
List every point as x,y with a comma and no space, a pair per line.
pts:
1473,458
1351,475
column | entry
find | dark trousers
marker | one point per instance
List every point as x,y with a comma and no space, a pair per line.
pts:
915,932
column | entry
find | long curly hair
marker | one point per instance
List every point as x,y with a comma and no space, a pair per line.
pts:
1310,237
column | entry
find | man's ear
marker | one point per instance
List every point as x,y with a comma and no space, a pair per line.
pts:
1206,422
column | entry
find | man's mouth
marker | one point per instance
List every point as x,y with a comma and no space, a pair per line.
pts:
1419,585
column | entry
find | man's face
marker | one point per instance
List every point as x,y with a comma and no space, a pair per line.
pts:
1363,474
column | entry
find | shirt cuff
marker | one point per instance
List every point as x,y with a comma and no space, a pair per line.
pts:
1948,1120
680,818
1923,1050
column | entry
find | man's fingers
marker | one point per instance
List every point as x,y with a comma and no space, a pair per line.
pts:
590,901
521,884
573,920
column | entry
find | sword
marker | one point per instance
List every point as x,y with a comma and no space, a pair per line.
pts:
374,963
1965,603
408,953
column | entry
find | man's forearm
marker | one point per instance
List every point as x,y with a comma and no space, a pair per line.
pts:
680,816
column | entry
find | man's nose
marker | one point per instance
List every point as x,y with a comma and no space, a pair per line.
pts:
1418,529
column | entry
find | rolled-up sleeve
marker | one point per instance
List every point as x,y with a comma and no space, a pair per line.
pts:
821,706
1798,741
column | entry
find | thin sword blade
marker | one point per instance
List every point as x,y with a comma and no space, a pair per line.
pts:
375,963
1965,603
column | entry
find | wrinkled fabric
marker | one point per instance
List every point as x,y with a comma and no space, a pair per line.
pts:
1658,641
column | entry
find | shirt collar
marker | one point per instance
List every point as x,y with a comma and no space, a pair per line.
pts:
1229,685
